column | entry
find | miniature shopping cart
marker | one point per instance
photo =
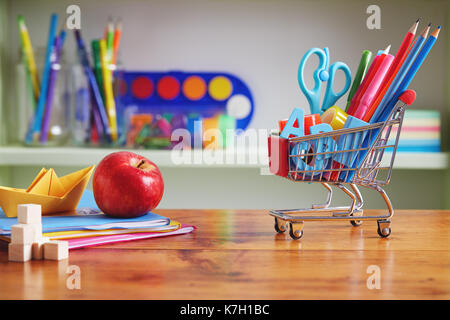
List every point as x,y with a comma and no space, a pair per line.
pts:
346,159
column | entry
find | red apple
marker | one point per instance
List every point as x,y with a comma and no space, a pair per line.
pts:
127,185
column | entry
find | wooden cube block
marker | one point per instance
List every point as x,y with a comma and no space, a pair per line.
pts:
29,213
22,234
37,231
19,252
56,250
37,249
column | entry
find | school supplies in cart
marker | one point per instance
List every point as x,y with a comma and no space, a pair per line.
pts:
342,149
373,173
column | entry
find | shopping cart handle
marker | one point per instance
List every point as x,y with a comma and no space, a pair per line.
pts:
408,97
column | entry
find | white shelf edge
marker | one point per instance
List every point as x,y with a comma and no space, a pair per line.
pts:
68,156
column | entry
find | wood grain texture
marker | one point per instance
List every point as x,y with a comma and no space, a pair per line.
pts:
238,255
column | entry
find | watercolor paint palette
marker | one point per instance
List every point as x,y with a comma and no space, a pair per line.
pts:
206,94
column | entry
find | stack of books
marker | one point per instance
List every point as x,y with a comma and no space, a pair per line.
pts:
87,226
421,132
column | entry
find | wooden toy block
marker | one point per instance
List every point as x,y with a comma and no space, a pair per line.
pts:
19,252
56,250
29,213
22,234
38,249
37,232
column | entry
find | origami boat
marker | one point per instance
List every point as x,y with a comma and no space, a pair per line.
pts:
52,193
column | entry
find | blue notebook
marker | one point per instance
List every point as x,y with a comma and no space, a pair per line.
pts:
88,217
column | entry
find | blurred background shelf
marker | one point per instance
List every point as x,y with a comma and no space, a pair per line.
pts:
250,158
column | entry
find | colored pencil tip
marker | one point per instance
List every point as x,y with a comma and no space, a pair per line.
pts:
435,33
388,48
413,28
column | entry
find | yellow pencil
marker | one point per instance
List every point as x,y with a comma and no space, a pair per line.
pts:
29,55
107,85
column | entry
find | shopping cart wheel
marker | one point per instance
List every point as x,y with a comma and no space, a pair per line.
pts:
384,229
357,213
356,223
296,230
280,226
384,233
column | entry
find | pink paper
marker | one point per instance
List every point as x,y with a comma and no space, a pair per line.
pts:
78,243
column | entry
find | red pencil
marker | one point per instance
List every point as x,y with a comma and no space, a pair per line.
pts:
402,51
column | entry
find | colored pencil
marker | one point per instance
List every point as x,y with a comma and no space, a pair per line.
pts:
28,52
109,40
44,81
410,74
109,97
116,43
402,50
397,76
95,44
362,68
57,48
97,98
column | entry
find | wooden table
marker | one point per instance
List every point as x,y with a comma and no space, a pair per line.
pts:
238,255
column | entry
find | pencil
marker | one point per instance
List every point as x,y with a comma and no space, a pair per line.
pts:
109,97
100,107
109,40
116,42
397,76
403,47
410,74
37,120
59,42
28,55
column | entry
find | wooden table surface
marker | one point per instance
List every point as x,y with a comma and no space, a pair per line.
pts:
238,255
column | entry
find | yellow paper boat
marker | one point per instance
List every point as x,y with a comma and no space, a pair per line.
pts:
52,193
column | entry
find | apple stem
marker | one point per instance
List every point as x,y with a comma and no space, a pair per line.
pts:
140,164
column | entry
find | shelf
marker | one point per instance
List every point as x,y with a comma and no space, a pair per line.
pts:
67,156
248,158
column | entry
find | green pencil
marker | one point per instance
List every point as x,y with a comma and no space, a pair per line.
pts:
98,66
110,40
362,68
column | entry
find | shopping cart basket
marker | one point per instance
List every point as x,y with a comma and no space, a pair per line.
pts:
345,158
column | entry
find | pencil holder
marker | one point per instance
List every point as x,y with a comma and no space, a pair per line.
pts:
41,113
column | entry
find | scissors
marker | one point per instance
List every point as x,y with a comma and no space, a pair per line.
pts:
323,73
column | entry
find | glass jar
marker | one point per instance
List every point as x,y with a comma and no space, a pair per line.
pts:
53,127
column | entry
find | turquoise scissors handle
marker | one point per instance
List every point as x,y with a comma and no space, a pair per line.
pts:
330,96
319,75
322,74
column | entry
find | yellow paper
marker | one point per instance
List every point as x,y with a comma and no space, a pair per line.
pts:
48,184
64,195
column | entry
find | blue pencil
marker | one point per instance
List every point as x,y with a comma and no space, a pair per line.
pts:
93,85
400,74
410,75
37,121
402,87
